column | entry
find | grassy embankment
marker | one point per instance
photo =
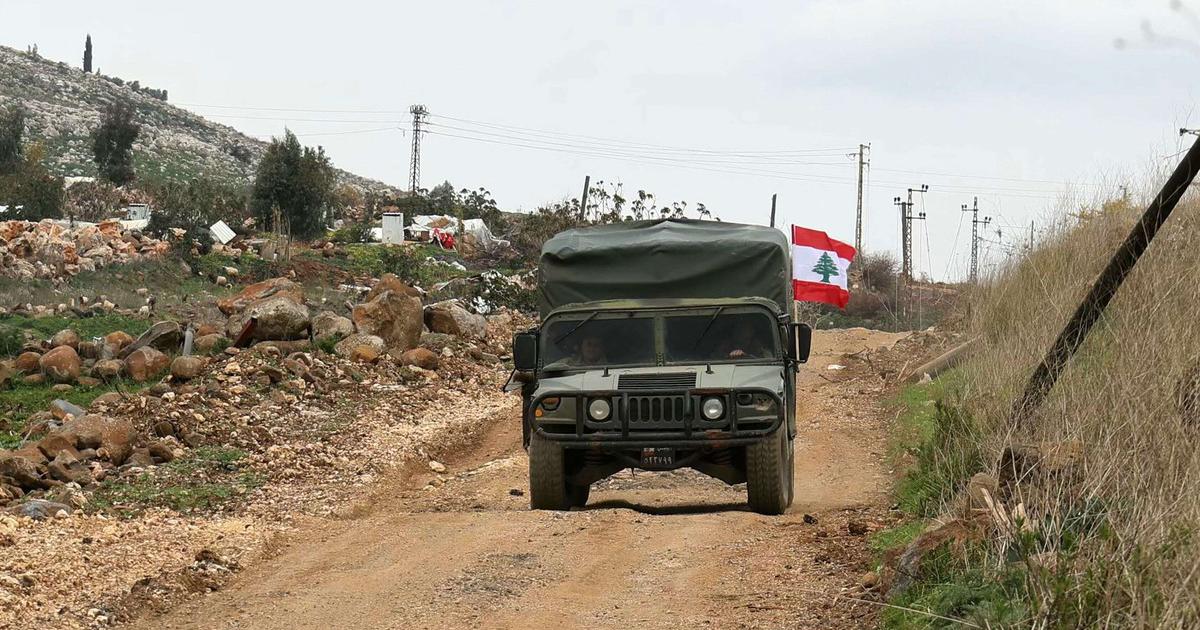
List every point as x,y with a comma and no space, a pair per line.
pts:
1102,531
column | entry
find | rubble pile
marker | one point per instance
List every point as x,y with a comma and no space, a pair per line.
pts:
274,399
50,249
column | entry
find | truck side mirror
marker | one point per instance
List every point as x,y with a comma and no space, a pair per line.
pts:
525,351
801,342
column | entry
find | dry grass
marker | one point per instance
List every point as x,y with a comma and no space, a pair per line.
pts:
1113,543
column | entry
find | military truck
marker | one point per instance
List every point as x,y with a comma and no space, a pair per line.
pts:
663,344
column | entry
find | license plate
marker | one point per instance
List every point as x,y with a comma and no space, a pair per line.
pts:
658,457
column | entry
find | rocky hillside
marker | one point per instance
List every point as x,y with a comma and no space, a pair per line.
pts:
64,105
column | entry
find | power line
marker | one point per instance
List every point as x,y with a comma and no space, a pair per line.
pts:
632,152
690,164
292,109
765,157
832,151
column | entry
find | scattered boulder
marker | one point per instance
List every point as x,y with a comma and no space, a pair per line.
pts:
161,452
277,318
108,369
34,379
285,347
66,337
117,340
330,325
40,509
61,409
210,343
28,362
186,368
112,438
451,318
162,336
390,282
60,364
21,470
57,442
281,287
420,357
145,363
140,457
207,329
107,399
89,350
360,347
394,317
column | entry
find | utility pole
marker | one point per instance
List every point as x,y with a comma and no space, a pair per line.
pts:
587,185
975,223
858,224
773,195
906,219
414,171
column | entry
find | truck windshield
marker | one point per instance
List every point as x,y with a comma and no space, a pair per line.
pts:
719,335
598,340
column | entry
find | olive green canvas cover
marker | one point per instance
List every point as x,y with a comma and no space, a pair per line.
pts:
666,258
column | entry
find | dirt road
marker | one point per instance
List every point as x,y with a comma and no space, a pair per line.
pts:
667,550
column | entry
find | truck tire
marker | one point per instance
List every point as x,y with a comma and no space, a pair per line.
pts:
578,494
548,487
768,473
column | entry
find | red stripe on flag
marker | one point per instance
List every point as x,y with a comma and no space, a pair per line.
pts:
820,240
805,291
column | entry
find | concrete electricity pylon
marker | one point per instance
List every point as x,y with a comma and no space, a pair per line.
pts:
906,219
975,223
414,171
863,162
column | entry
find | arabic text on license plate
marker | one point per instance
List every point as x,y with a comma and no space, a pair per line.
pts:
658,456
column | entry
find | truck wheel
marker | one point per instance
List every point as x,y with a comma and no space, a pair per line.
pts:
548,488
768,473
579,494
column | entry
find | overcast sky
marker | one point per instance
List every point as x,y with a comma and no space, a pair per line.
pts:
723,103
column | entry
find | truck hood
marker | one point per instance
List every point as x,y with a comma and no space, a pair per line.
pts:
724,376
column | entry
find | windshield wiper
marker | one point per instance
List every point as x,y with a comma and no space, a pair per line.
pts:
707,326
577,327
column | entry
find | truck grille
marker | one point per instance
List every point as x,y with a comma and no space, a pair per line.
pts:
656,412
646,382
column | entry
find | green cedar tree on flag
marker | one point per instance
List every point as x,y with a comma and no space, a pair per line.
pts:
820,266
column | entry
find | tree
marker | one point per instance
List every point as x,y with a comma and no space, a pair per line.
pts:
825,267
112,143
12,127
297,180
32,191
443,199
87,54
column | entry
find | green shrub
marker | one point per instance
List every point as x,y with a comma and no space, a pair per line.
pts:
352,233
11,340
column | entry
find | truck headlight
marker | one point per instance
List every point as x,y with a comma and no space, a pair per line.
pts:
712,408
763,403
599,409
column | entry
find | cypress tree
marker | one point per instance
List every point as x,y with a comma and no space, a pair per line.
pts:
87,54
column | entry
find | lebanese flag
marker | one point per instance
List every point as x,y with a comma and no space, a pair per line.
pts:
820,266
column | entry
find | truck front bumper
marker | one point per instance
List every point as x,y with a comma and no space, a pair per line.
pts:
646,419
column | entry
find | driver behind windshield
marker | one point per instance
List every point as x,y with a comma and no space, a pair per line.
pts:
743,343
590,351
